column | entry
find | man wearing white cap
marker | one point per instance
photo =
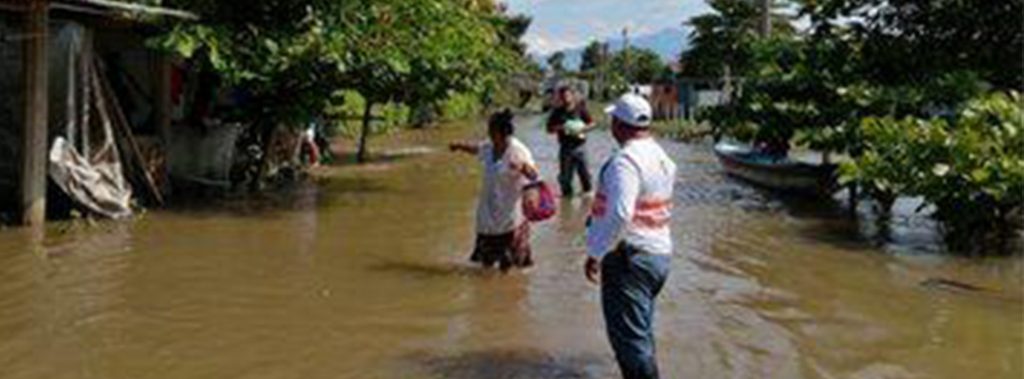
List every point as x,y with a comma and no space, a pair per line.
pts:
629,243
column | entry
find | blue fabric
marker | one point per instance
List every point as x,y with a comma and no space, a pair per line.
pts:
630,282
573,161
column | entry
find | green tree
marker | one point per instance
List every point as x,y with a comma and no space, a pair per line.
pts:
635,65
970,166
910,41
638,65
403,51
926,130
270,50
721,38
556,62
594,57
417,52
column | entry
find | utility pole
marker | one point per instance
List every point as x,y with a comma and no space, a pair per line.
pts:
602,71
625,52
766,18
32,167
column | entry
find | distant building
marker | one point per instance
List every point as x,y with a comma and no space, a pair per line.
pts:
664,100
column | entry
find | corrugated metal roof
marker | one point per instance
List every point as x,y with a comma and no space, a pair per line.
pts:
107,8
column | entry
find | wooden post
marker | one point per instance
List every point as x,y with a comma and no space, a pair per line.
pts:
121,124
34,136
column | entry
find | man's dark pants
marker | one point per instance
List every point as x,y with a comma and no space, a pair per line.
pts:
630,281
572,161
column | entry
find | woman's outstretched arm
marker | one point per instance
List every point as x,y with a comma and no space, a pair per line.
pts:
472,148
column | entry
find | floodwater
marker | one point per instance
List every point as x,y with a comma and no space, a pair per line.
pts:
364,275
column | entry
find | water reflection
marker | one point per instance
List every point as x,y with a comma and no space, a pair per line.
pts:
421,270
516,364
364,275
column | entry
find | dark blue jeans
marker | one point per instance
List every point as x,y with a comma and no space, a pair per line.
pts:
630,282
573,161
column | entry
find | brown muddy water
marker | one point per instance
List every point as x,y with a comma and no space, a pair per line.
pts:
364,275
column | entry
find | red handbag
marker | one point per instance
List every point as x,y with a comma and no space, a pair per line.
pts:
539,202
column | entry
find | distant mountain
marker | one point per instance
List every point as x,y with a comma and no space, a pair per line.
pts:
668,43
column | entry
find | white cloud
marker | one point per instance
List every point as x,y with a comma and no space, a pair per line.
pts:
562,24
540,44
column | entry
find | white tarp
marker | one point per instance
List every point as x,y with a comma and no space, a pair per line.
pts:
85,162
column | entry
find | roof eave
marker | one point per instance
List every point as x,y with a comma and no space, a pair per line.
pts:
111,8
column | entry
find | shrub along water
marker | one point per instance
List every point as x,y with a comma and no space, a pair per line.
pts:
970,166
946,129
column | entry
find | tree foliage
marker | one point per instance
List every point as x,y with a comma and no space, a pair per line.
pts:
403,51
971,166
881,82
909,41
722,38
595,55
620,68
556,62
638,65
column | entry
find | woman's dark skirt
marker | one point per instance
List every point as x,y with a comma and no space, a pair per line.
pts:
508,250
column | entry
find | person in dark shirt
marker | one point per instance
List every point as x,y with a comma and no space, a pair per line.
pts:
570,121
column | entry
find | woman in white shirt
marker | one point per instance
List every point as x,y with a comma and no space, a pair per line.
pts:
503,233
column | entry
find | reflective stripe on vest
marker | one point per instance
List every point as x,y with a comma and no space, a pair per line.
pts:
652,213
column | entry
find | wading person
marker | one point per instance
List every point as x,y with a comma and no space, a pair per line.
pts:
629,244
503,233
570,121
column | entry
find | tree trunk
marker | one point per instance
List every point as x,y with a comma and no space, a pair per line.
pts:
364,133
852,200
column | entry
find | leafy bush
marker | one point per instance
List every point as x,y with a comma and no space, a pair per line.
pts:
970,165
460,106
682,129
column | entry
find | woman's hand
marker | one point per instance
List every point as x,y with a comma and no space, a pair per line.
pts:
465,147
526,169
531,198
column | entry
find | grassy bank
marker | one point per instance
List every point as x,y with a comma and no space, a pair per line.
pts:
682,129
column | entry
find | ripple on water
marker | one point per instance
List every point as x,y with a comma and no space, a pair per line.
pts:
364,276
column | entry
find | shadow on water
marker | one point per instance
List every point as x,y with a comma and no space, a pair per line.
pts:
828,220
432,270
346,158
308,194
516,364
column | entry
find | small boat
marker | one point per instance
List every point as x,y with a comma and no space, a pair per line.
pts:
783,174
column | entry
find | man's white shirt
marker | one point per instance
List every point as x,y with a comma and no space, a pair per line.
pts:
634,201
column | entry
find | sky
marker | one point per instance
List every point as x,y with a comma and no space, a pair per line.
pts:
562,24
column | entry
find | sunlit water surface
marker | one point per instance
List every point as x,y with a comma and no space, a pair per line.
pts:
364,275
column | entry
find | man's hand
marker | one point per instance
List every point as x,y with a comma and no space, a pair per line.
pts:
592,269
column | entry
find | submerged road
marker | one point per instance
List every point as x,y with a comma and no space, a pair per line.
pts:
363,274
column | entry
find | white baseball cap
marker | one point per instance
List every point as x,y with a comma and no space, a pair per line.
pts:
632,109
